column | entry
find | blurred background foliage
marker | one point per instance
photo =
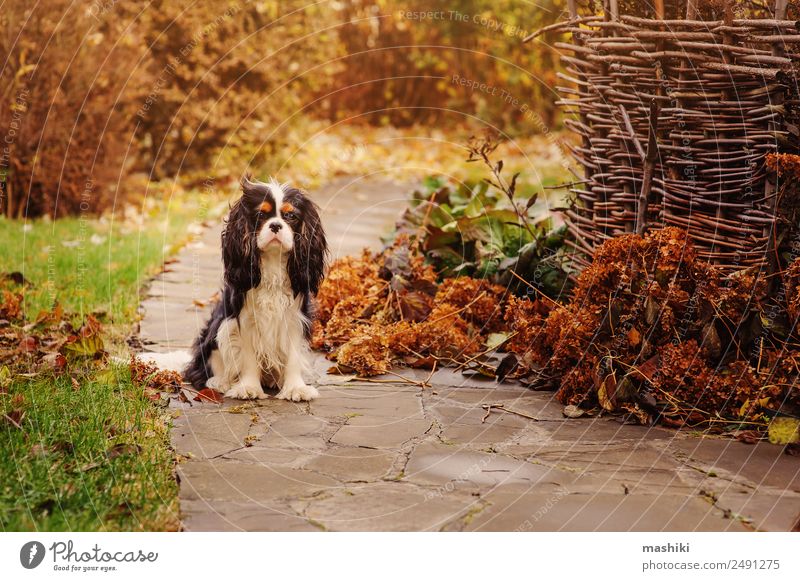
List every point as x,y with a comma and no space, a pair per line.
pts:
92,92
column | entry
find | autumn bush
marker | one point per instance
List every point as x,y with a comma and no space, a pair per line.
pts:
404,61
655,331
63,117
386,308
229,83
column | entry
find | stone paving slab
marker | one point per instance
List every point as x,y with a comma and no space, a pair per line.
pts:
394,456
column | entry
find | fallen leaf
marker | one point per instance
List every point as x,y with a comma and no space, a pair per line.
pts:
85,346
495,340
642,417
748,436
209,395
11,307
340,369
651,310
14,417
507,366
5,378
646,370
573,411
605,394
711,340
784,431
55,362
422,362
415,306
122,449
29,344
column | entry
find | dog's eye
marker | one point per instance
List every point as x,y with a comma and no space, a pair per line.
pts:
289,215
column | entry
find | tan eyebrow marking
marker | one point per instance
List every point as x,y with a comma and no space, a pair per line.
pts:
287,207
265,207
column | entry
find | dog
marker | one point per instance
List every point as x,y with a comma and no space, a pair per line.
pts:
274,253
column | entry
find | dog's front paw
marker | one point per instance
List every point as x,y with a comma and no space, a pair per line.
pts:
216,383
298,392
243,390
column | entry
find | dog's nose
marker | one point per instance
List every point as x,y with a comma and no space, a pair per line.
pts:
275,227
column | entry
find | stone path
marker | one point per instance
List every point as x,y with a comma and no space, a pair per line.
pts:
394,456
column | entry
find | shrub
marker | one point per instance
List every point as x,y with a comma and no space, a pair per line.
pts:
62,115
225,76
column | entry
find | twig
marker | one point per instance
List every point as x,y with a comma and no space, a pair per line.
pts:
461,310
499,406
649,167
416,382
13,421
430,375
372,380
469,360
544,296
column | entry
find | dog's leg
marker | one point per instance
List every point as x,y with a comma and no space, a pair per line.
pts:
241,368
294,388
218,379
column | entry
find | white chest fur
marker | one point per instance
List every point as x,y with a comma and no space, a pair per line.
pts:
271,320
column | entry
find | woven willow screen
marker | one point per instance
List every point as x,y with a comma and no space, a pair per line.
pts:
677,118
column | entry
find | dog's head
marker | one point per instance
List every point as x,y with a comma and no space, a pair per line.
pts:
274,218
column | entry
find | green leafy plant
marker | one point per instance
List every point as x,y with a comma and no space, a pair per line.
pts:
487,229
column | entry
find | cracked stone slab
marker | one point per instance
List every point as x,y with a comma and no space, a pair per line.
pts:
765,511
588,457
388,507
478,436
271,456
524,510
762,464
352,464
228,480
358,401
602,429
209,435
443,465
298,425
449,414
540,406
380,432
470,425
241,516
272,407
300,431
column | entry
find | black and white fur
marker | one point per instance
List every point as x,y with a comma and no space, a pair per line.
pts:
274,251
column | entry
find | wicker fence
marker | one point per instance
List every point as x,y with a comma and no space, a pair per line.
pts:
676,118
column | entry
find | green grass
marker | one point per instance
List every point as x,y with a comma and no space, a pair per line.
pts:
91,455
93,265
87,459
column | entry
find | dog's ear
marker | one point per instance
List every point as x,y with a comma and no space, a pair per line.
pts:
307,260
239,249
253,193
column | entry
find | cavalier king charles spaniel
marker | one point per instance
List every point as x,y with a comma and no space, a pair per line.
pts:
274,252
